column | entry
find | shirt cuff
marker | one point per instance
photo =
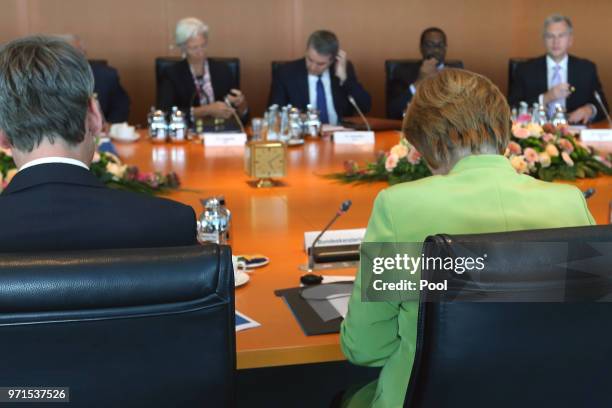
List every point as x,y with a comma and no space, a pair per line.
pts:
412,88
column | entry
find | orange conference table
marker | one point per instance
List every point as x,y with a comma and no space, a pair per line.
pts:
272,222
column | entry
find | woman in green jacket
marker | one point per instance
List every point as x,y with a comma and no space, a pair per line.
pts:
460,122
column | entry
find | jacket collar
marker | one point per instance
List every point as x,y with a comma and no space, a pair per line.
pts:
483,161
58,173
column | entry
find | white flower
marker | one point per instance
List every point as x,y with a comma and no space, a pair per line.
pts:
400,151
117,170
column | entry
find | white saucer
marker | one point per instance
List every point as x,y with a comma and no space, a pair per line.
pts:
295,142
241,279
134,137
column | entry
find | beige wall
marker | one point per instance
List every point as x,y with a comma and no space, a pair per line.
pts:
483,33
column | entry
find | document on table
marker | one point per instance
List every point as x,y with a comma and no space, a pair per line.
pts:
243,322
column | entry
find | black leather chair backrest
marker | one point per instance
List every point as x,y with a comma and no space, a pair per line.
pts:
276,64
161,63
121,328
494,352
391,66
513,63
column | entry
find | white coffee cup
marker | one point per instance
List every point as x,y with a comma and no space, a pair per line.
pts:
239,266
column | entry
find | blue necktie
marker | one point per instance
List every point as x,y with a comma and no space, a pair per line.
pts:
322,102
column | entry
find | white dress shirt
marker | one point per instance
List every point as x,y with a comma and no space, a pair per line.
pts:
550,72
54,159
312,94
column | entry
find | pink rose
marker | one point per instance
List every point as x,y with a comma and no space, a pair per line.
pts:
531,155
515,148
524,118
414,157
548,137
566,145
519,164
520,132
567,159
391,162
399,150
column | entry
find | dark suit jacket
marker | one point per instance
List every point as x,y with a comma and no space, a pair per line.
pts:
114,101
290,86
531,80
399,88
65,207
176,87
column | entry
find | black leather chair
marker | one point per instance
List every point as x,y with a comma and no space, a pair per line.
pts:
391,66
513,63
121,328
478,347
161,63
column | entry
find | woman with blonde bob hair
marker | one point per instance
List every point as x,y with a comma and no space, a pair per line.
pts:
460,122
197,83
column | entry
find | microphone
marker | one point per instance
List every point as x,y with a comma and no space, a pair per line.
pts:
588,193
310,278
234,114
352,101
603,107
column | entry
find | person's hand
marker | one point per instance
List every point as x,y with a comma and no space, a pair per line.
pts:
215,109
341,66
428,68
235,97
560,91
581,115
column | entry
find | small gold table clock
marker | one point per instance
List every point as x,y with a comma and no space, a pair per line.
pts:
265,160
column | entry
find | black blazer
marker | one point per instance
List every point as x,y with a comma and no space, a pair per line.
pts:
290,86
531,80
176,86
113,99
399,88
62,206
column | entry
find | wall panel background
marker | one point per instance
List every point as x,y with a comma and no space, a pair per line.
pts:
483,33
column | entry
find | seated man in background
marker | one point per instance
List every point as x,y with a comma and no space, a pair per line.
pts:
559,78
113,99
433,46
324,78
49,118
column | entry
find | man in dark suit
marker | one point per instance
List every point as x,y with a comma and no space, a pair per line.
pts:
113,100
558,78
433,47
324,78
54,202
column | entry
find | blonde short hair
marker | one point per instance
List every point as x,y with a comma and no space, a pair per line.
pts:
456,110
188,28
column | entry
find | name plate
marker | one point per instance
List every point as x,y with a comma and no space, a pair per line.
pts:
596,135
335,237
225,139
354,137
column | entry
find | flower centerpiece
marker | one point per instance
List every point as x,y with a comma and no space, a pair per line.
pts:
549,153
545,152
109,169
402,163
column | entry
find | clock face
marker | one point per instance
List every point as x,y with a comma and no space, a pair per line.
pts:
269,161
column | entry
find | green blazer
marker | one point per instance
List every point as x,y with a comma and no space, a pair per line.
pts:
482,193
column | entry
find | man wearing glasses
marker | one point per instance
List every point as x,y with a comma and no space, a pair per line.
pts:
407,77
558,78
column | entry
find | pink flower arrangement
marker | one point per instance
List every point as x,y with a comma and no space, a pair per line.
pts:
515,148
414,157
566,145
567,159
391,162
531,155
